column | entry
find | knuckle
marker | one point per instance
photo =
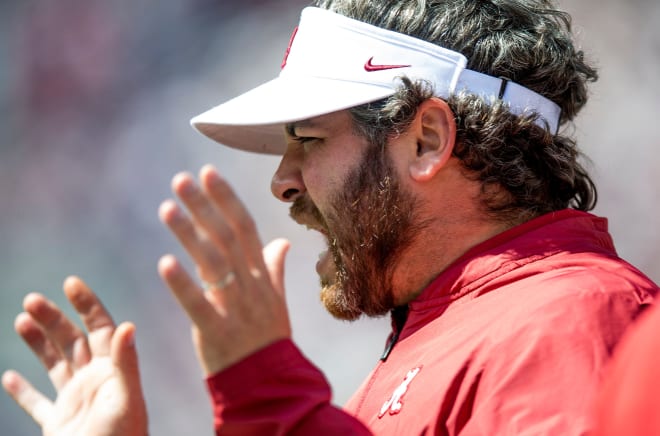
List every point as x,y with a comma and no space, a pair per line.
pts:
226,236
205,211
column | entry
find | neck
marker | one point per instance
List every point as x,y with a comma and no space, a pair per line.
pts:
456,224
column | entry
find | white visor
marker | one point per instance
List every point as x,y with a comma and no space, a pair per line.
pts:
334,63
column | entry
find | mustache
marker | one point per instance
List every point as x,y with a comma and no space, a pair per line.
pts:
304,212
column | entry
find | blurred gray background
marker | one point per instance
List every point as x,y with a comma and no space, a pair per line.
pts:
95,98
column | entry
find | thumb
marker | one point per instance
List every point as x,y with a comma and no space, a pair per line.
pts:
124,355
274,254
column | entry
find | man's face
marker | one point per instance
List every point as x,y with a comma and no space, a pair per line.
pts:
360,206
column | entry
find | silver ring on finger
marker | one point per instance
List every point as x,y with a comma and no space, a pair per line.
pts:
220,284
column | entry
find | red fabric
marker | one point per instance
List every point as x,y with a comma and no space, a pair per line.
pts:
628,400
276,391
510,339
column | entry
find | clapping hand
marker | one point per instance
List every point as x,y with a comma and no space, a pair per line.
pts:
241,307
238,309
95,375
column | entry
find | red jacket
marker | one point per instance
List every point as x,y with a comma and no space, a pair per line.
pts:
510,339
628,400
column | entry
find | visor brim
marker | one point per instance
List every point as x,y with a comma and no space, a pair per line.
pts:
255,121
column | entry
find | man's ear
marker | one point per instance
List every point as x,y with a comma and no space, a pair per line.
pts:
434,128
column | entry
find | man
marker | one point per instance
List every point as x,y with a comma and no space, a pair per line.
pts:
421,139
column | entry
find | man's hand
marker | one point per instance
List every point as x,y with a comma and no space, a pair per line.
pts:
242,308
95,375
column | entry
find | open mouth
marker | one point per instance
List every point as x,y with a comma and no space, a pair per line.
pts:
325,266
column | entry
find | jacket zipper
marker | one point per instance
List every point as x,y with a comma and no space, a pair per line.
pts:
399,316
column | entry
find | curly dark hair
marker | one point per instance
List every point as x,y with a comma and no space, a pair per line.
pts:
526,41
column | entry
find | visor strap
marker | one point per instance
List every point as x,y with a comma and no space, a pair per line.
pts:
521,100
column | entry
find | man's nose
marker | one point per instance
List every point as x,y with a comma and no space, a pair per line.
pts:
287,182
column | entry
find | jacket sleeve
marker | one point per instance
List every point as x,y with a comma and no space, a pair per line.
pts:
277,391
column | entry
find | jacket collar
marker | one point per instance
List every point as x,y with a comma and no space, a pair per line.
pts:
566,230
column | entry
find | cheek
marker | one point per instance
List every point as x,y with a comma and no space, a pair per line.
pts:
314,176
319,186
324,176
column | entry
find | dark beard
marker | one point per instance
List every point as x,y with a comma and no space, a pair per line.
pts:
371,224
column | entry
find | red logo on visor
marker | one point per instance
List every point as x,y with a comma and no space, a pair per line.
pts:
369,66
288,49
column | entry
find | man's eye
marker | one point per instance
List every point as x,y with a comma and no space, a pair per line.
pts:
307,142
305,139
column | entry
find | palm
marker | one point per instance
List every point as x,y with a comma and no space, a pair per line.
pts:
91,401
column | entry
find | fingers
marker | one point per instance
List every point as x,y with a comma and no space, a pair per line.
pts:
59,369
205,214
124,356
32,401
237,316
217,214
31,333
95,317
56,341
200,311
125,359
234,211
64,335
205,255
122,347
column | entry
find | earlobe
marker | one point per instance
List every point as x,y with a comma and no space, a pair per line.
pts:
434,128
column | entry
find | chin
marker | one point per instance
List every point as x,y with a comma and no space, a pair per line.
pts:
337,303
